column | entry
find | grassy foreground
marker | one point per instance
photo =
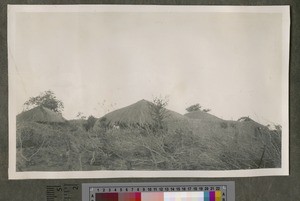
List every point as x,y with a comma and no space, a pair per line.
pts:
181,145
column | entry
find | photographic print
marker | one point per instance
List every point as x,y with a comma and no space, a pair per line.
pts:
102,91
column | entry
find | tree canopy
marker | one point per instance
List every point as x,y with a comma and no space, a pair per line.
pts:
90,123
195,107
46,99
158,111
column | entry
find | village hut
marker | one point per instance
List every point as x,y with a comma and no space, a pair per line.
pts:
137,114
203,116
40,114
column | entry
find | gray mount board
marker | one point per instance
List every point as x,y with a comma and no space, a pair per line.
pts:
256,188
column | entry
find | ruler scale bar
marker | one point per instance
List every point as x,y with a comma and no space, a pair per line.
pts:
185,191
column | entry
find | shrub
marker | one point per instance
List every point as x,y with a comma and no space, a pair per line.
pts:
159,113
232,125
90,123
192,108
224,125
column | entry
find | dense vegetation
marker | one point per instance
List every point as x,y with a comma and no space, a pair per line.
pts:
176,146
142,136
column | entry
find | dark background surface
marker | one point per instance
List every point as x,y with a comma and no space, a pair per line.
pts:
256,188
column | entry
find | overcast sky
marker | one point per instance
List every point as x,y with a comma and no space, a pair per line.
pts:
228,62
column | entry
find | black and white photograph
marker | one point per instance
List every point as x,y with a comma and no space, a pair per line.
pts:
106,91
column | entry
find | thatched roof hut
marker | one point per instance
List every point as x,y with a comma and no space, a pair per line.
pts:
138,113
42,115
203,116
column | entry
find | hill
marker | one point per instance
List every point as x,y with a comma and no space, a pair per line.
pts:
138,113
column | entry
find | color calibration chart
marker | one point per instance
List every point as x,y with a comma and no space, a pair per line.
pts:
184,191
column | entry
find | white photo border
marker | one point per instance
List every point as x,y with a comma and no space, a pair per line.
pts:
283,171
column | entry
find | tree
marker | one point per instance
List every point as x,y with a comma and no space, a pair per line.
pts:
46,99
197,107
90,123
159,112
80,115
206,110
193,108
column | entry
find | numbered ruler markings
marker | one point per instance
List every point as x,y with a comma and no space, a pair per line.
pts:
119,189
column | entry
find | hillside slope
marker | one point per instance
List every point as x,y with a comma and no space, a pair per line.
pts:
138,113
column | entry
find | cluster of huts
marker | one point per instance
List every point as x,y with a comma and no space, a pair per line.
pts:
137,114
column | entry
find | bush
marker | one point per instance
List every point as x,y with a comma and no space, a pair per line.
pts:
90,123
232,125
58,148
193,108
224,125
